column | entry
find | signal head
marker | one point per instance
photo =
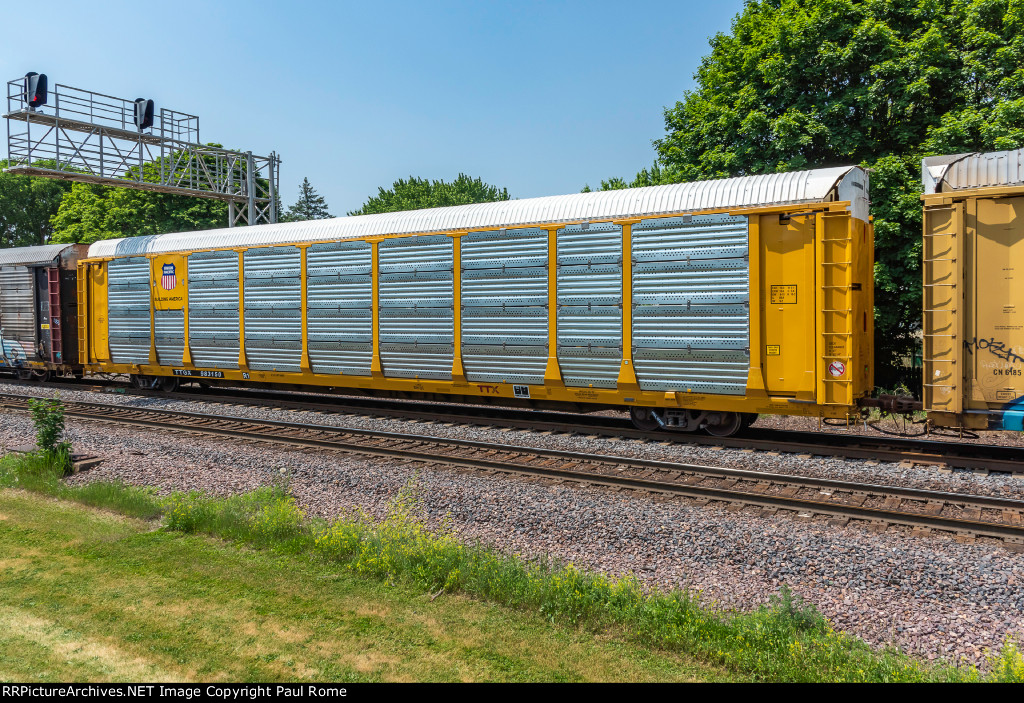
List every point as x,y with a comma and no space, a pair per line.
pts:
35,89
143,113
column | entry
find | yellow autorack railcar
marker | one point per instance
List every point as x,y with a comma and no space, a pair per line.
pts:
694,305
974,290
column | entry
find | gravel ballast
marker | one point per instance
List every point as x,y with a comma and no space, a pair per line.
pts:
929,595
837,468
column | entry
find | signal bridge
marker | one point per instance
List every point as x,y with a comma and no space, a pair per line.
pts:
88,137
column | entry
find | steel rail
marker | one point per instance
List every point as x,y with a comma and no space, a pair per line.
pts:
986,457
506,459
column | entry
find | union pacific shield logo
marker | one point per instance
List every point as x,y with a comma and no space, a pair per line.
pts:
169,280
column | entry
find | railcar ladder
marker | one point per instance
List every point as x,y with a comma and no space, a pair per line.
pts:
942,326
835,303
83,309
53,293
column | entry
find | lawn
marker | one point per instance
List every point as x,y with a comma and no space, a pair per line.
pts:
86,595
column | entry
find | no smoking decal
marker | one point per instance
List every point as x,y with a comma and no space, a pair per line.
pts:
837,368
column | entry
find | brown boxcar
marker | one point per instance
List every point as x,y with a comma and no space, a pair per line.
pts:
39,309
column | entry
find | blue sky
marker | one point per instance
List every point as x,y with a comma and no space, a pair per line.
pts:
538,97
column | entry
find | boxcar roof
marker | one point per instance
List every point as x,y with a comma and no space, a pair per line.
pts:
32,256
942,174
748,191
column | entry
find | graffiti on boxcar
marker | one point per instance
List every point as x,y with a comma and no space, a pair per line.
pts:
999,349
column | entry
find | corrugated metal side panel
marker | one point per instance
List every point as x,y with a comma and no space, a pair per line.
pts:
339,307
512,287
273,308
497,363
504,306
17,313
513,326
691,304
589,291
416,298
169,327
768,189
697,371
511,248
128,284
213,309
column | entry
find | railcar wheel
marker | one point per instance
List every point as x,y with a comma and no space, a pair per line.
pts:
168,384
644,419
725,424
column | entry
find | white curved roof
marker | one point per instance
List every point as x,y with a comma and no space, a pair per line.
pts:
749,191
31,256
942,174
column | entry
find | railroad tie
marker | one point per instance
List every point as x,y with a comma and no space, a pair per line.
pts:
973,514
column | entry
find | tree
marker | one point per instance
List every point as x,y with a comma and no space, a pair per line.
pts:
655,176
26,206
800,84
89,213
310,205
419,193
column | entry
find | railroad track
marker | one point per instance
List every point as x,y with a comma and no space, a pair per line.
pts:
878,507
978,457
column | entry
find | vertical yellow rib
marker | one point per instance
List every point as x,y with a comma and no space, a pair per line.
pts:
627,374
376,370
755,376
152,313
243,363
458,373
186,352
304,363
552,373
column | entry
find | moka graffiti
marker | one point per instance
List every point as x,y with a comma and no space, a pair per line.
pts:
999,349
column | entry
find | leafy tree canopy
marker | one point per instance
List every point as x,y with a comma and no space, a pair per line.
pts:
89,213
419,193
310,205
26,206
802,84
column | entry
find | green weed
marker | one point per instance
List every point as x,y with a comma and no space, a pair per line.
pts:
48,417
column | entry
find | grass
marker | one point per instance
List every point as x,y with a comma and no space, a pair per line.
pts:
786,640
92,596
